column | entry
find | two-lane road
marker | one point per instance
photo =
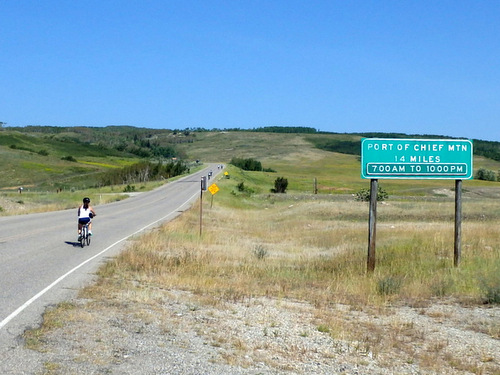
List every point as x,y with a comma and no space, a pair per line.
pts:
41,263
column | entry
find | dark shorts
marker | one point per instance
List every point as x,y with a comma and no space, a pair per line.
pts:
84,220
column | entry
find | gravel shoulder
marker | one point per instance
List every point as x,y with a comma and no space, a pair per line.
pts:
179,334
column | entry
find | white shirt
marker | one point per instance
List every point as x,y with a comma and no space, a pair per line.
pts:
84,212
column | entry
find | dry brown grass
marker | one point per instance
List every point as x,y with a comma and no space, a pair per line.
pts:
314,250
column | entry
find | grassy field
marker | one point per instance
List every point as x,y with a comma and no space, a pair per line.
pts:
37,162
417,212
325,237
312,247
296,159
315,250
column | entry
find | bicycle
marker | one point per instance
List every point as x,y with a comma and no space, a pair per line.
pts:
84,235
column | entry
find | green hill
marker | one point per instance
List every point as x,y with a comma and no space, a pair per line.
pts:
49,158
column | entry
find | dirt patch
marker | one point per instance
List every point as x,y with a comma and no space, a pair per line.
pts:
444,192
15,206
484,192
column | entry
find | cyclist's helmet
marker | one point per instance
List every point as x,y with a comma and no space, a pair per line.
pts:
86,200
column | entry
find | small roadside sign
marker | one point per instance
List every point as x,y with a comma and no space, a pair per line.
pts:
416,158
213,189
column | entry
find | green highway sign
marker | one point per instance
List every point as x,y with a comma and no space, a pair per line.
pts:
416,158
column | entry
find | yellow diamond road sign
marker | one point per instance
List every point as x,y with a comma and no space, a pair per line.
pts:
213,189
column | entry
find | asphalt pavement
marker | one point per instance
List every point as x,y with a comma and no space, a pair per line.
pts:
41,263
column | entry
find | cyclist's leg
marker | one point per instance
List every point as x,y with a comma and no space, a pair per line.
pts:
81,223
79,230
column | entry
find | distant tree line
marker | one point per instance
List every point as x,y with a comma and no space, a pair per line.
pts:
264,129
40,152
143,172
141,142
285,129
159,143
337,145
249,165
353,147
487,149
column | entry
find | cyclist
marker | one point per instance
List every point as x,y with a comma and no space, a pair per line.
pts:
85,214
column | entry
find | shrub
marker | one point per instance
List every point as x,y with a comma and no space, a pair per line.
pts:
129,189
269,170
244,189
280,185
490,286
260,252
323,328
485,174
68,158
247,164
493,295
441,287
364,195
388,285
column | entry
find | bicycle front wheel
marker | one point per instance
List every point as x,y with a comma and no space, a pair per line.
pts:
87,238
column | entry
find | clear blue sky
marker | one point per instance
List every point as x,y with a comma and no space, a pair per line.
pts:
415,67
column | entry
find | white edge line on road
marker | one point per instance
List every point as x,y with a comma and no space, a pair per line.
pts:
42,292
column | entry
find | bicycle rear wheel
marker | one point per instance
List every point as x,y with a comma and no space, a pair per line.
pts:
83,235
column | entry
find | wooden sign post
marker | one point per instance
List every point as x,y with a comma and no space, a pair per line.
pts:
457,251
372,225
203,187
